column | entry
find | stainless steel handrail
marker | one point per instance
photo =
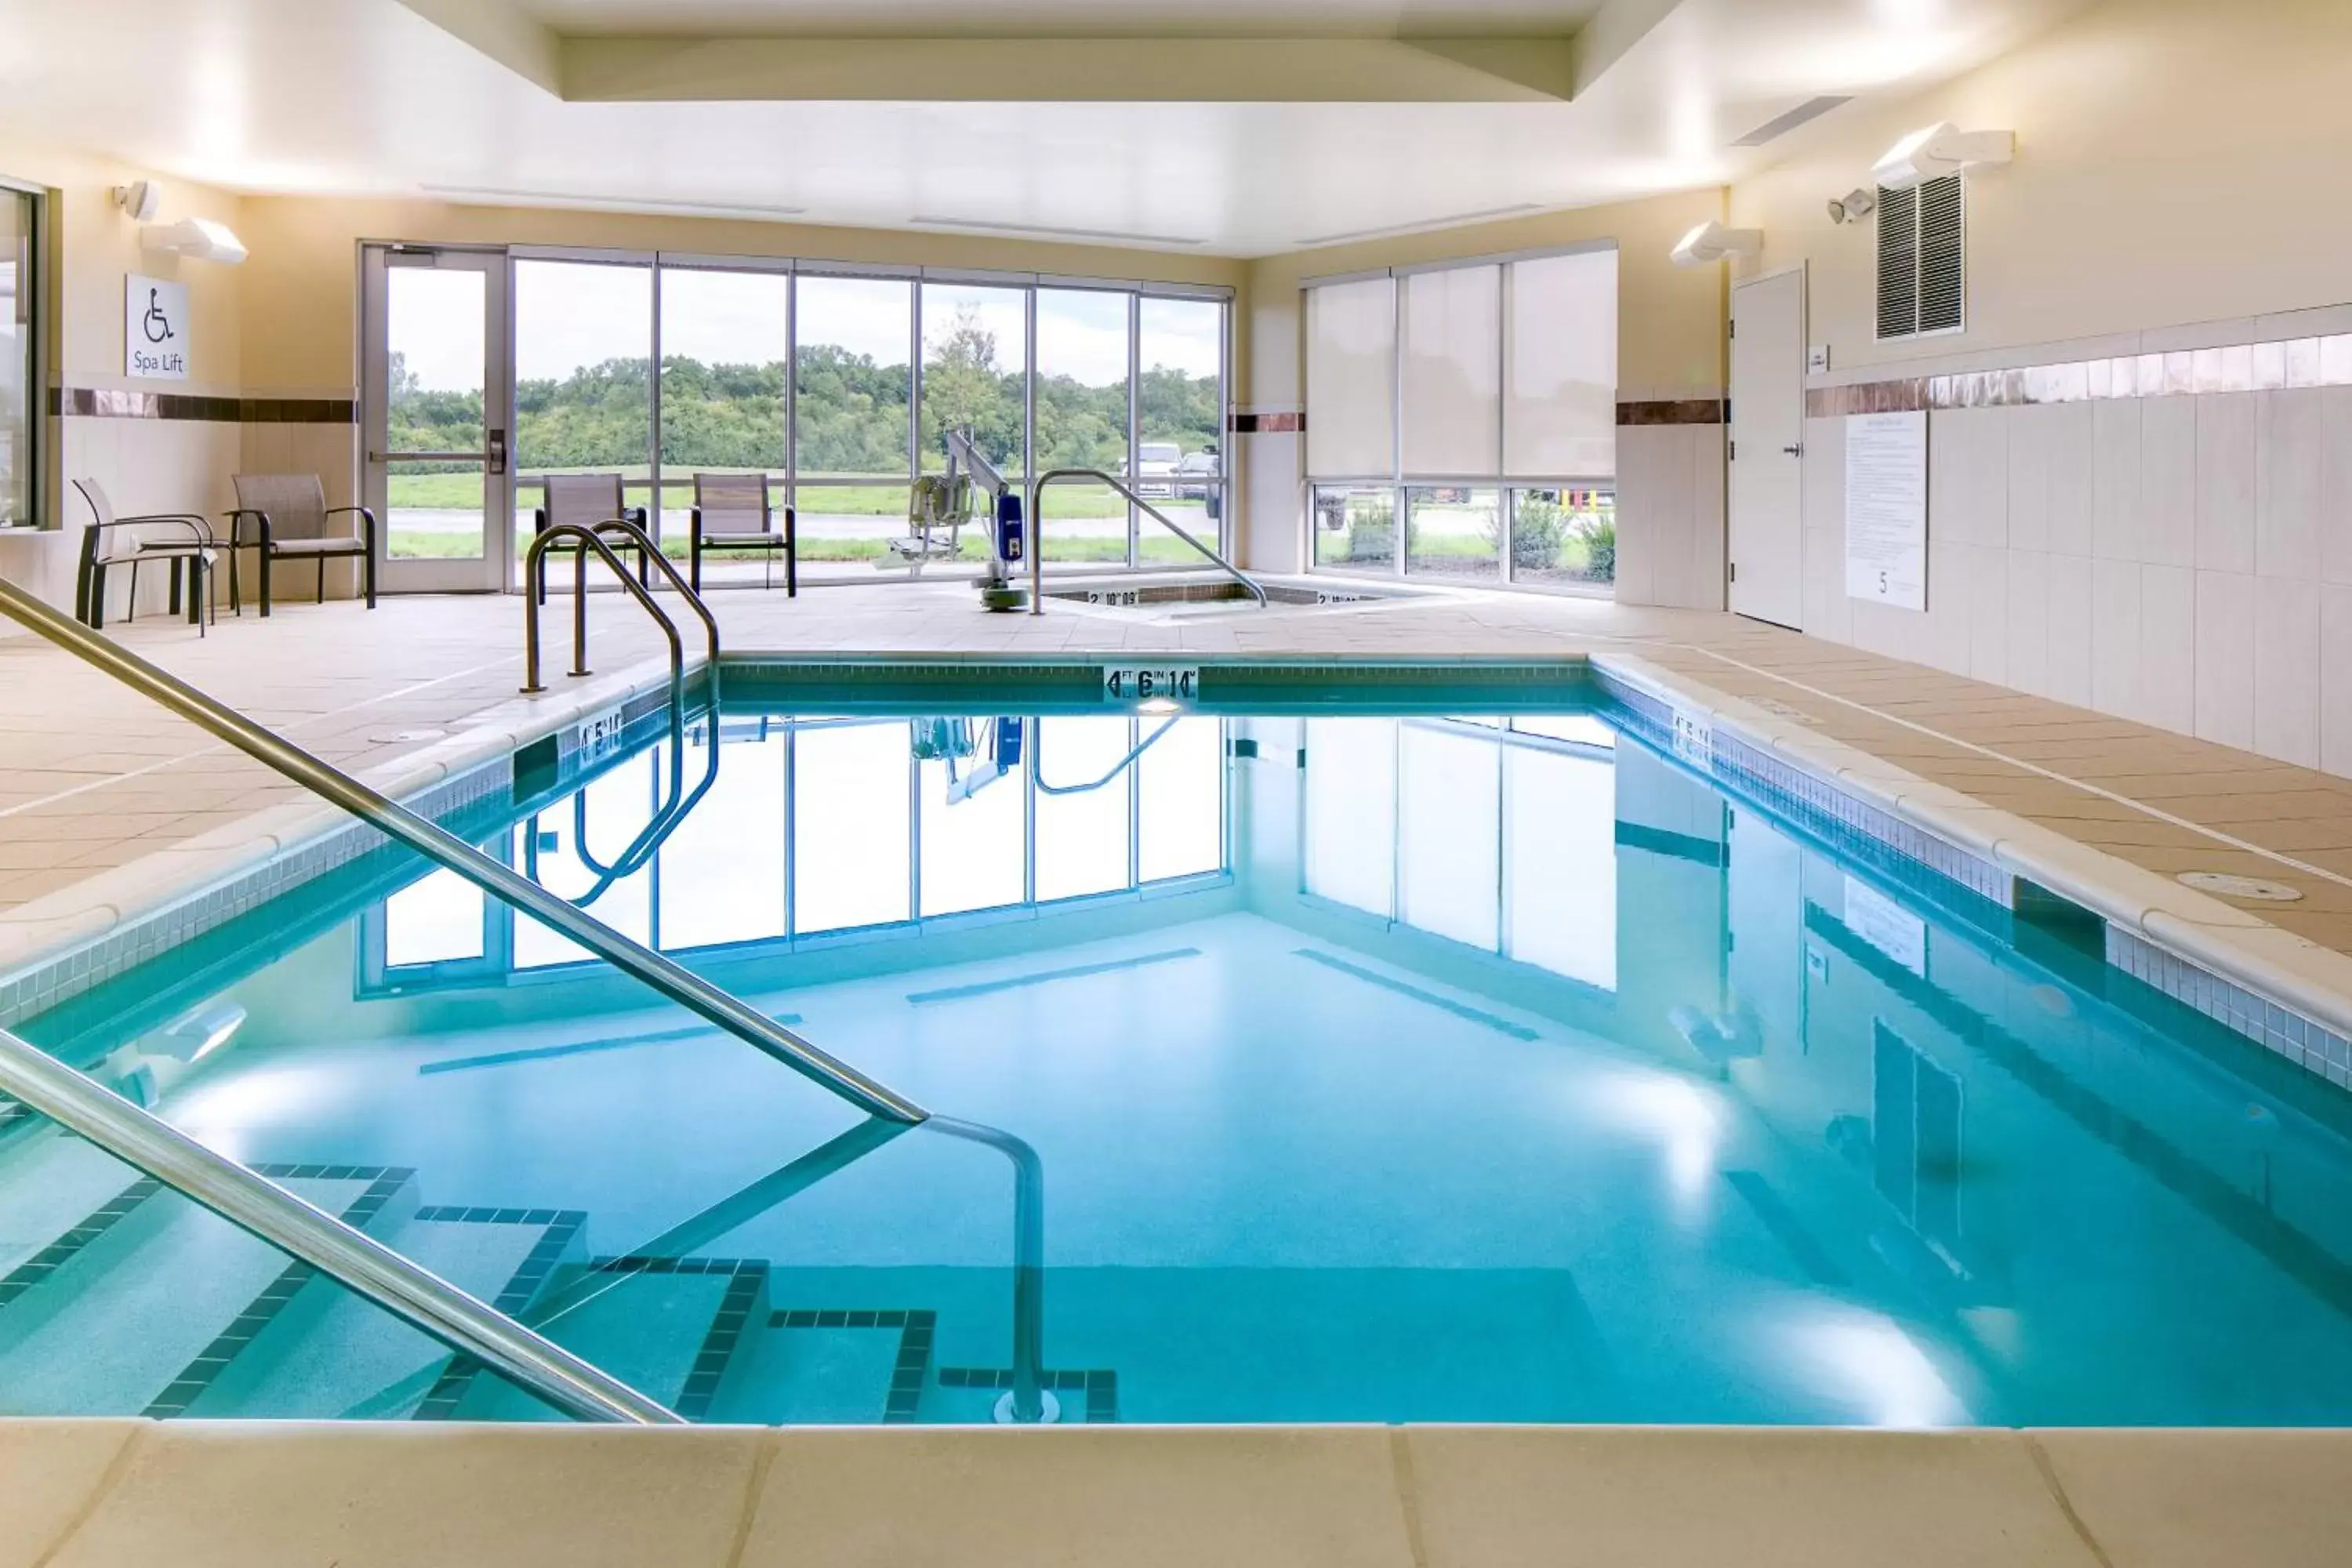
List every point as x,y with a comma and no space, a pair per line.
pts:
350,1258
648,550
1037,535
1036,744
534,584
674,981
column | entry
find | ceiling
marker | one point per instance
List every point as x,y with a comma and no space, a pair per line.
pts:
1170,124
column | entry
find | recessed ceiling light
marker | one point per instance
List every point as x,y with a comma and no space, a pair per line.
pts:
601,201
1123,235
1415,227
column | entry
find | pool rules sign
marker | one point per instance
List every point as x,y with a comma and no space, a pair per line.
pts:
1886,508
154,329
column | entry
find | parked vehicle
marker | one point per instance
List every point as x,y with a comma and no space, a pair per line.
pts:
1196,476
1155,467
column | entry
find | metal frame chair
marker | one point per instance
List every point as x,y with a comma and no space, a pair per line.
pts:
190,549
290,516
586,499
731,513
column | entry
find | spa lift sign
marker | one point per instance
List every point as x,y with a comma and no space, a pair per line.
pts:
154,329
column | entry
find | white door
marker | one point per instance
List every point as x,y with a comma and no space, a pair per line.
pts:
1768,434
434,399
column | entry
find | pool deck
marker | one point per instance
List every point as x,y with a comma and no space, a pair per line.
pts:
111,1493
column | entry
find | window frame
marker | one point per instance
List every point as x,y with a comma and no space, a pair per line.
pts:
41,509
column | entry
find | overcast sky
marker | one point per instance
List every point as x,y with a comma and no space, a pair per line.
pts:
570,314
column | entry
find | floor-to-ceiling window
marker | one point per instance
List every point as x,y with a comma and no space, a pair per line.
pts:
1084,355
1470,406
583,370
726,367
853,436
20,361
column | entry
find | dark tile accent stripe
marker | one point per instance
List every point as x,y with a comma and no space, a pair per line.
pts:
521,1289
1268,424
1660,841
1100,1385
546,1053
2236,367
1044,976
1443,1004
103,403
916,1328
199,1375
61,1252
1673,411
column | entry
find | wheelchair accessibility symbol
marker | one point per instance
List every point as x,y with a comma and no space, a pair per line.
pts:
155,328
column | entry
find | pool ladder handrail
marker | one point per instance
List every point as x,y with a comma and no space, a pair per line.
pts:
350,1258
447,850
1037,533
584,540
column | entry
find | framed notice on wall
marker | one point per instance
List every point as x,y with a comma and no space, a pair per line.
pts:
154,329
1886,508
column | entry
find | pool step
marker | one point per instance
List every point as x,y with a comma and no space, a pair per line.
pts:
667,1327
329,1354
145,1296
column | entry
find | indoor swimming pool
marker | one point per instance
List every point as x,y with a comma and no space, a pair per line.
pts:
1432,1055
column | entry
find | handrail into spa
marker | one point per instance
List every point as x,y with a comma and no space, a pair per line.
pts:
1037,535
674,981
350,1258
584,540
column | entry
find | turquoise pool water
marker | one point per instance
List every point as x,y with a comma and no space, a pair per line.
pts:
1316,1062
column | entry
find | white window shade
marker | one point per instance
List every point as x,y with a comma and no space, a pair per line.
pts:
1351,379
1452,370
1559,417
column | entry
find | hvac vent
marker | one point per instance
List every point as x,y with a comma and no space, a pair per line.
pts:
1779,125
1923,286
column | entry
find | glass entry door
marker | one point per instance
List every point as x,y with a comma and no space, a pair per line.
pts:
435,391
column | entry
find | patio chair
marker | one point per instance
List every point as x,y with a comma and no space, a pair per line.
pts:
181,538
285,517
586,499
731,513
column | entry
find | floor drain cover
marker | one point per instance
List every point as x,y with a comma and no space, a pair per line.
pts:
2227,886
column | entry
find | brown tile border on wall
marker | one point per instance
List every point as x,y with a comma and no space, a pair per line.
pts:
1673,411
104,402
2274,367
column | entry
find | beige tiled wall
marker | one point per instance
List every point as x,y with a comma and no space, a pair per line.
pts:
2183,561
1670,501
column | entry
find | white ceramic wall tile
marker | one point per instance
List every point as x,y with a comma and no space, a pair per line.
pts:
1827,611
1942,634
2224,657
2291,440
2336,678
2168,481
2030,428
2226,467
1989,635
2029,614
2169,647
2070,620
2116,682
1641,479
2336,484
1968,482
2287,669
2118,528
2071,466
1704,445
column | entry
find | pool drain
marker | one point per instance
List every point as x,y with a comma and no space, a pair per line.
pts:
2227,885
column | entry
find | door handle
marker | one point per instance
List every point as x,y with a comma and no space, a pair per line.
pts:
498,451
1796,451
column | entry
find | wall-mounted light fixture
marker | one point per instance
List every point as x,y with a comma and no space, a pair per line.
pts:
196,237
1854,205
142,200
1941,149
1711,241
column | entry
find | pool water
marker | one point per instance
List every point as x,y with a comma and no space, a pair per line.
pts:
1327,1063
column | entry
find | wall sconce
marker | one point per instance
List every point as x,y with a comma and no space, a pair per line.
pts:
1711,241
196,237
1940,150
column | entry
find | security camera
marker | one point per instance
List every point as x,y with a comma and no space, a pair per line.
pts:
1941,149
142,200
1711,241
1853,206
200,239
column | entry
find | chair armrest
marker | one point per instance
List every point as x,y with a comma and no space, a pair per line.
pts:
199,532
636,514
237,529
539,520
367,521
